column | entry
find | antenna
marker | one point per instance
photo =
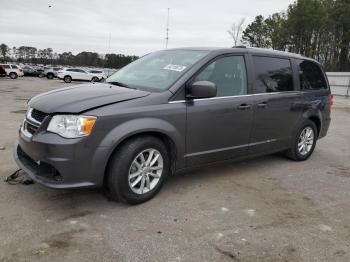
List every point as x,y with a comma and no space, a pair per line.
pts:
167,30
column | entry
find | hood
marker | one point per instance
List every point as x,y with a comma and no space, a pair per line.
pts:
76,99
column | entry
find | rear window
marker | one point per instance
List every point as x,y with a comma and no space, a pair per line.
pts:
311,76
272,74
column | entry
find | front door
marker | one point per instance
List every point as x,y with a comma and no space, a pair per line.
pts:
218,128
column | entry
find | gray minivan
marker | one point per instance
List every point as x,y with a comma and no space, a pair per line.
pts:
172,110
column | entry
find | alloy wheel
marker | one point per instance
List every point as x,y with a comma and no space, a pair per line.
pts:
306,140
145,171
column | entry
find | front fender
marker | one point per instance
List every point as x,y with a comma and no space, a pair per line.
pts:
144,125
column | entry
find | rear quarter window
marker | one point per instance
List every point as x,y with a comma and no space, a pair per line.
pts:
272,74
311,76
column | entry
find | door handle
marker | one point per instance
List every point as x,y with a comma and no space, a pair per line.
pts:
262,105
244,106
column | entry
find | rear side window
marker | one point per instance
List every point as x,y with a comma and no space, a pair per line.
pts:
229,75
6,66
14,67
272,74
73,70
311,76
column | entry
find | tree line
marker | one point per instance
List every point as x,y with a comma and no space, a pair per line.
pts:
314,28
28,54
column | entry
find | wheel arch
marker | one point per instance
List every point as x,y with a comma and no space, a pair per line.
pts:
317,122
312,115
152,127
166,139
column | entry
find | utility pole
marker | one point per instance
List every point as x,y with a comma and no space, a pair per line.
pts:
109,43
167,30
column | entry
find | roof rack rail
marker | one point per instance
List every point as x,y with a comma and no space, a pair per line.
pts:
239,46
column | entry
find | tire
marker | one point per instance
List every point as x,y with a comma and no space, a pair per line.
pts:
67,79
13,75
94,79
295,152
122,165
49,76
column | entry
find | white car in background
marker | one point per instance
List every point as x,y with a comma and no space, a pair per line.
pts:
70,74
13,71
98,72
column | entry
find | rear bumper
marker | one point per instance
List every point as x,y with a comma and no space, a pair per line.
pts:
60,163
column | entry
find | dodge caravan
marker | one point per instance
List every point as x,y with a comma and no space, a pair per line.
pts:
173,110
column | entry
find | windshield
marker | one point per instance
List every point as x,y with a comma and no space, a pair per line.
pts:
156,71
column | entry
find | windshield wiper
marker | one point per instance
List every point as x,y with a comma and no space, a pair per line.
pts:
120,84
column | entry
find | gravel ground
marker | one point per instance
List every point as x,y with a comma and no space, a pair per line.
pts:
265,209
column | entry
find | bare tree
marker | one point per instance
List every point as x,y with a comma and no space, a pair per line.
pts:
236,30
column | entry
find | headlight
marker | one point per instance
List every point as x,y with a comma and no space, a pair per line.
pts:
71,126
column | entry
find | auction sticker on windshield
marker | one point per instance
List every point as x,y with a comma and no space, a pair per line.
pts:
177,68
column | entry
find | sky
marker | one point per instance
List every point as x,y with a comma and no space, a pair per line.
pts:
134,27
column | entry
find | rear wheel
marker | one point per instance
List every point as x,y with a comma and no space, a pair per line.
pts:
13,75
304,142
67,79
94,79
50,76
138,170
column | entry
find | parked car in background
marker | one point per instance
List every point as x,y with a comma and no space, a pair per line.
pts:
70,74
32,71
2,71
51,72
173,110
109,71
13,71
102,75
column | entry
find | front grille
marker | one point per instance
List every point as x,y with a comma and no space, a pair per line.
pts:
38,115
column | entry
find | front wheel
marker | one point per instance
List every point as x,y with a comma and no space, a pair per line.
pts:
304,142
138,170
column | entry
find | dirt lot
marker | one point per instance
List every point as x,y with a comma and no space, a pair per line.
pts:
266,209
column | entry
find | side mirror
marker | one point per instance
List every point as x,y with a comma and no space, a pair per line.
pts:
201,89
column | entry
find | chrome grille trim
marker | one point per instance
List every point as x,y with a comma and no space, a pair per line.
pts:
30,118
